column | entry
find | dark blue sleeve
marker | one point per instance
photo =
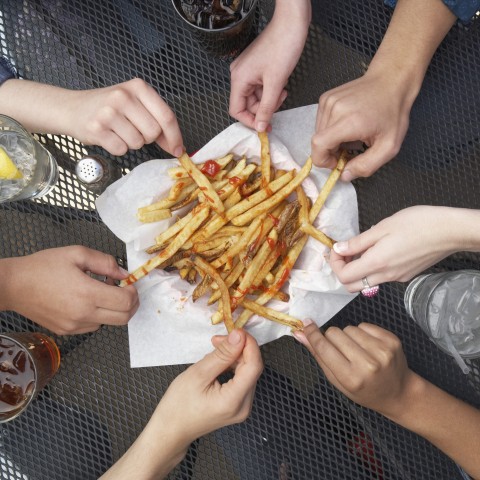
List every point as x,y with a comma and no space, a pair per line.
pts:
465,10
6,70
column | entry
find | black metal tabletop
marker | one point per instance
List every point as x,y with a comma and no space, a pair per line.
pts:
300,426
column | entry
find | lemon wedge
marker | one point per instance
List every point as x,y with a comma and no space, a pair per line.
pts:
8,170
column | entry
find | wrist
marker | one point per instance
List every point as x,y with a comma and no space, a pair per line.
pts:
403,411
466,231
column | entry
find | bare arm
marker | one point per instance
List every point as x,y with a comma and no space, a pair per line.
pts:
375,108
117,118
368,365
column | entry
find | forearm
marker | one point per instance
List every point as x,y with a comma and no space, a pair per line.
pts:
461,227
415,32
298,12
7,268
38,107
144,460
448,423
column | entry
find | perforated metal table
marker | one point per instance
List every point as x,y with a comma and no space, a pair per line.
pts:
300,427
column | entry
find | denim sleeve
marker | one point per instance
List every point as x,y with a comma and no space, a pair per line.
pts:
6,70
463,9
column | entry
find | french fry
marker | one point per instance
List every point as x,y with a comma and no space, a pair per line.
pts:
209,270
176,244
274,315
317,235
154,216
265,158
329,184
177,188
179,172
202,182
280,278
276,198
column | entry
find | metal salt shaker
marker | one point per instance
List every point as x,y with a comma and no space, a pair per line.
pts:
97,173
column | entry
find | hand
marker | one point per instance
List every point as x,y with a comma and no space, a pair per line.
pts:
52,289
403,245
261,72
206,404
194,405
122,117
366,363
373,109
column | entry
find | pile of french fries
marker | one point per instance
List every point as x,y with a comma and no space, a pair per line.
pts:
241,235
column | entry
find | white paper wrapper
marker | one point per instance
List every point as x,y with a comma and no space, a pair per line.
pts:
168,327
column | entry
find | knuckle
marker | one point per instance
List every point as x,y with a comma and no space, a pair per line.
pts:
333,332
119,95
116,147
106,115
138,84
372,367
391,147
136,142
363,169
355,384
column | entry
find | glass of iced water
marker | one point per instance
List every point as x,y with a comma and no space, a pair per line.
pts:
37,169
447,307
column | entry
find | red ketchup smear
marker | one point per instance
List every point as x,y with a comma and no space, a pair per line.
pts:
210,168
235,181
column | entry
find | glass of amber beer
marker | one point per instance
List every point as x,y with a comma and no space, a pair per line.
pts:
28,361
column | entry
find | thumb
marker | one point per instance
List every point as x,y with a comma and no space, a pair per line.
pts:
223,357
268,104
367,163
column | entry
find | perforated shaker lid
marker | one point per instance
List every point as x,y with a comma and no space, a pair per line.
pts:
89,170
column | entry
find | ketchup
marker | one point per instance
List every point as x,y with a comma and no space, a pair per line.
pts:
210,168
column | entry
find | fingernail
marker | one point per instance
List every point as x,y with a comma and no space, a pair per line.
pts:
234,337
307,322
124,272
347,176
261,126
178,151
301,338
340,247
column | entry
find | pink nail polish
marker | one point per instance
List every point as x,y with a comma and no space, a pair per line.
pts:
301,338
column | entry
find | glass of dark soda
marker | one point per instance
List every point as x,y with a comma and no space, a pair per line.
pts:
223,27
28,361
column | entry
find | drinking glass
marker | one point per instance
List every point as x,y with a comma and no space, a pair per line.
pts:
36,164
28,361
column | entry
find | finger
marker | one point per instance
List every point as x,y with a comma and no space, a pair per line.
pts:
367,163
171,136
118,299
248,369
113,144
324,350
346,345
97,262
121,126
378,332
104,316
239,95
271,96
326,142
364,339
222,358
